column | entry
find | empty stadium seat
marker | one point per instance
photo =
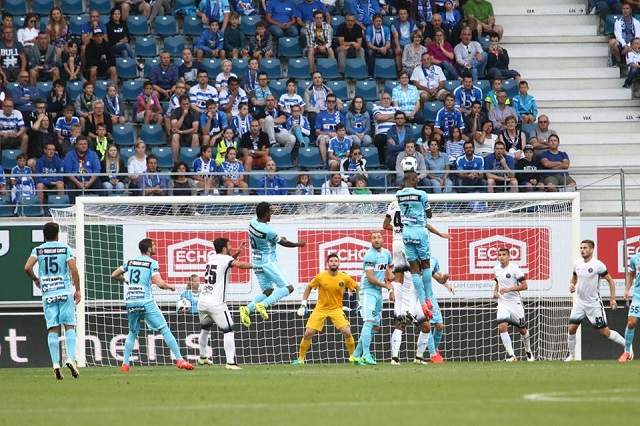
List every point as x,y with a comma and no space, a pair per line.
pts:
188,154
385,69
277,87
377,182
484,85
6,208
9,157
126,68
138,25
149,64
165,157
126,153
318,179
131,89
355,69
336,21
302,85
271,67
58,201
101,88
74,88
239,66
430,109
183,3
248,24
72,7
44,20
511,87
254,181
41,7
451,85
30,206
102,6
123,134
298,68
367,89
309,158
15,7
289,47
152,134
609,23
43,88
339,88
192,26
282,157
76,22
212,66
290,180
388,20
328,67
165,26
174,46
146,46
389,85
370,153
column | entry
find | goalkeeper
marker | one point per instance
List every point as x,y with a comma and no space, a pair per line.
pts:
331,285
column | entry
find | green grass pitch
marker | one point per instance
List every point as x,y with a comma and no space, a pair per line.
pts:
550,393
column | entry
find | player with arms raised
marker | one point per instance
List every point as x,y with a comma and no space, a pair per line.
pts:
331,285
265,263
138,275
510,281
632,281
212,304
57,272
585,282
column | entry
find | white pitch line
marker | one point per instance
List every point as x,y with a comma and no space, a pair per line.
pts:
599,395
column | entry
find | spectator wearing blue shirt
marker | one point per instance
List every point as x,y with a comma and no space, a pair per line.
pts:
22,184
86,164
298,125
339,147
210,43
364,11
214,10
23,93
164,75
304,13
49,164
378,39
402,29
466,94
437,164
448,117
606,7
150,184
281,16
397,135
87,28
558,161
524,104
471,168
504,180
271,183
325,125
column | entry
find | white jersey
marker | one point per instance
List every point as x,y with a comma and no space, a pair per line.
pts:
588,275
393,211
216,278
199,96
508,277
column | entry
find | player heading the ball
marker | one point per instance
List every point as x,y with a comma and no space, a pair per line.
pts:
138,275
264,259
57,272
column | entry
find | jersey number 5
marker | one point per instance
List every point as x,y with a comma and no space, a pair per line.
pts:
210,275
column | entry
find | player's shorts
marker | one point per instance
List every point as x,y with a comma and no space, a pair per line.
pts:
319,316
59,310
416,242
270,275
593,312
511,313
406,302
148,311
400,263
371,307
634,309
219,314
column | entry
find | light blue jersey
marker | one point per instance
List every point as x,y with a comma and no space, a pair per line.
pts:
193,299
378,261
435,268
263,241
413,204
139,272
634,266
53,270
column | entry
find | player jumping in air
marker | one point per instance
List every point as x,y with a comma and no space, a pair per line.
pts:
138,275
584,282
265,263
510,281
56,273
632,281
377,268
331,285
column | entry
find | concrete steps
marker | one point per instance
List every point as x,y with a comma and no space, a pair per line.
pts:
588,127
589,141
511,39
588,95
594,115
572,83
564,50
611,103
541,61
541,29
568,74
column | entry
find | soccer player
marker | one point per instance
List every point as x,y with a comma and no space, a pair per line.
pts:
585,281
632,280
191,294
377,268
138,275
510,281
264,259
57,272
414,211
213,307
331,285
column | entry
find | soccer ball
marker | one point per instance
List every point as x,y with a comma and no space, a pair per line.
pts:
409,164
183,305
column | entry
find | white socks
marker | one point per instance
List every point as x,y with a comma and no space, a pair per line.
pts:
203,341
527,342
421,345
571,341
230,347
616,337
396,342
506,341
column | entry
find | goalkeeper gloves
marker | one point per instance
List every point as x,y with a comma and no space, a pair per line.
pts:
302,310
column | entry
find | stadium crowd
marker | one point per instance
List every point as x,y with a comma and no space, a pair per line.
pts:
348,87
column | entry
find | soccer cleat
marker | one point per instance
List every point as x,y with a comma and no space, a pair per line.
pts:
71,365
124,368
625,357
297,361
530,357
232,367
354,359
570,358
437,358
245,319
205,361
184,364
368,360
512,358
262,311
395,361
57,373
420,360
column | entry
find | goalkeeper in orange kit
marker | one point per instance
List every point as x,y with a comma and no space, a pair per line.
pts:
331,285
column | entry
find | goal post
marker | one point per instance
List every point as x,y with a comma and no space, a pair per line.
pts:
542,230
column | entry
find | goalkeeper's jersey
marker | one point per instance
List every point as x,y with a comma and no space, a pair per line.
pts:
192,298
413,203
139,272
53,270
263,241
331,289
378,261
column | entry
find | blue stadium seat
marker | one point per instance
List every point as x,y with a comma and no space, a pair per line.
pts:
138,25
302,85
248,24
212,66
123,134
9,158
289,47
192,26
44,20
318,179
609,23
146,47
102,6
309,158
377,182
510,86
74,88
328,67
239,66
149,64
72,7
282,157
165,26
126,68
451,85
529,129
18,21
417,128
165,157
6,208
75,24
188,154
101,88
389,85
370,153
152,134
58,201
368,89
15,7
254,181
174,45
43,88
131,89
484,41
385,69
41,7
271,67
30,206
290,180
298,68
277,87
126,153
430,109
355,69
104,19
388,20
336,21
339,88
484,85
183,3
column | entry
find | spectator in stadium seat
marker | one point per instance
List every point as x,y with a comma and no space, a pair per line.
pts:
290,97
13,60
33,121
406,97
491,98
115,183
234,39
7,19
118,35
141,7
260,93
306,10
149,109
63,127
250,79
137,163
114,106
471,167
411,151
151,183
465,95
378,39
304,186
181,183
397,136
233,170
335,186
58,30
607,7
452,20
271,183
254,147
57,100
281,16
13,133
554,159
470,56
273,121
159,7
71,62
23,93
454,147
86,164
429,79
422,144
315,96
625,29
174,103
480,15
358,122
513,138
338,147
326,122
214,10
100,143
540,137
448,117
438,169
525,104
164,76
231,97
97,116
184,127
298,125
442,55
99,60
401,30
43,62
633,62
39,137
205,167
364,11
530,179
49,164
505,180
261,45
350,38
212,123
241,122
210,44
498,62
485,139
201,92
353,165
421,12
319,38
412,53
384,118
3,89
498,114
28,34
89,27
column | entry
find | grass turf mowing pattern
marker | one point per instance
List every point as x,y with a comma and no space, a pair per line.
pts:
582,393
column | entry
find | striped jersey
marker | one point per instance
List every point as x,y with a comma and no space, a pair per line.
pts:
199,96
383,128
12,122
286,101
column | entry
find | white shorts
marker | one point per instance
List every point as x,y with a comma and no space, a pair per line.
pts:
512,313
406,302
593,312
400,263
218,313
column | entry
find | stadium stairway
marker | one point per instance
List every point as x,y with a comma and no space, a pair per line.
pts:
560,50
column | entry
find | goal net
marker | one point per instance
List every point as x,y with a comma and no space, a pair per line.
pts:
541,232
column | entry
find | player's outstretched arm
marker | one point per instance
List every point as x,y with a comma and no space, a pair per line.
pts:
157,280
118,275
75,279
28,269
443,279
239,251
241,265
612,291
291,244
435,231
628,283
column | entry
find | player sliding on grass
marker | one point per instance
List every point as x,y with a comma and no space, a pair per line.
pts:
138,275
510,281
265,262
584,282
56,272
633,280
331,285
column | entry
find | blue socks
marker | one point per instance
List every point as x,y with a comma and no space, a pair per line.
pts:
426,282
70,337
128,347
171,342
277,294
629,333
358,352
366,337
54,347
437,337
419,286
259,298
